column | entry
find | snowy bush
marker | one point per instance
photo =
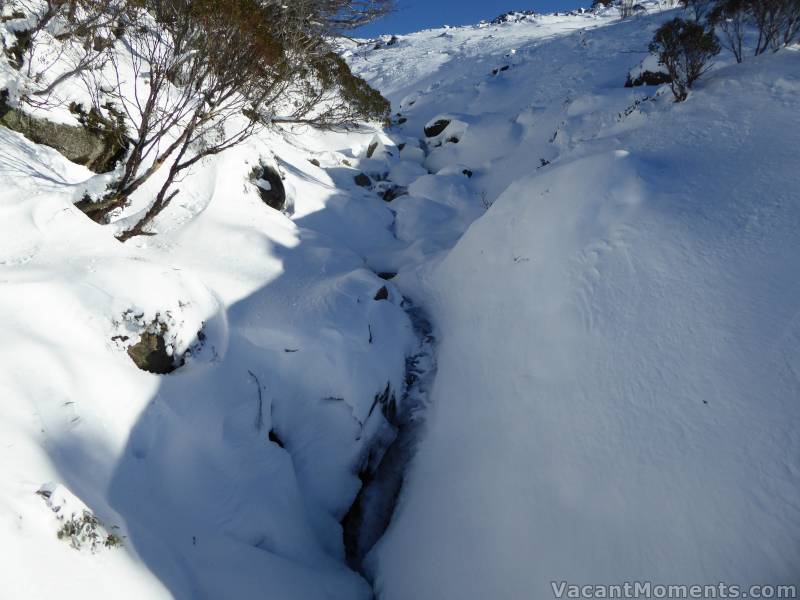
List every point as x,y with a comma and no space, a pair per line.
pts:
80,527
731,18
777,23
217,71
83,29
685,48
365,102
697,8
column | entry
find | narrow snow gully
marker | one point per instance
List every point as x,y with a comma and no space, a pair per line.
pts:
371,512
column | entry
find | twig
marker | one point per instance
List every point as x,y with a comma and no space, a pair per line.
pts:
260,416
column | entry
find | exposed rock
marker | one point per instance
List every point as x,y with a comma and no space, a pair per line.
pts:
648,72
387,276
517,16
383,294
150,353
275,438
97,148
384,42
392,192
468,173
377,148
436,128
647,78
362,180
270,186
314,162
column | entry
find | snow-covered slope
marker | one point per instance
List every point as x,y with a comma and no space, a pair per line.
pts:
614,284
294,344
618,390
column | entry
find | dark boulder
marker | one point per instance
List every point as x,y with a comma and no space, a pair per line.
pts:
275,438
437,128
150,353
647,78
98,143
362,180
270,186
392,192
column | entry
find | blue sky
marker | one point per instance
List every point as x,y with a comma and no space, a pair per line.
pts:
413,15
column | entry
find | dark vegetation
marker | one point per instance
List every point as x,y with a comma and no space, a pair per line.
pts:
207,75
686,46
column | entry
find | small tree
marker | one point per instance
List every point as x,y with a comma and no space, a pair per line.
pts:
685,48
778,23
626,8
698,8
217,71
83,28
790,21
731,17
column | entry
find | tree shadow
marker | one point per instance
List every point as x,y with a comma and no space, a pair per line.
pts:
213,489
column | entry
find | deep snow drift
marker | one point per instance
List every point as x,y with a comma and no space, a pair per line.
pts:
619,372
614,285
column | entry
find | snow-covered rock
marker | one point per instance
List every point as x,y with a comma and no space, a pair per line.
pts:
648,72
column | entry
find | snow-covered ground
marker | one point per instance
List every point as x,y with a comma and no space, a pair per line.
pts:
618,392
614,284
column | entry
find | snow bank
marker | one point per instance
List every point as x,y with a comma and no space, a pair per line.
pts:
619,365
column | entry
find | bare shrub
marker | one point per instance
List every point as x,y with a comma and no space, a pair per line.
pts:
685,48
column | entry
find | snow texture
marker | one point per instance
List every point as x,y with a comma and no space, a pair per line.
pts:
612,283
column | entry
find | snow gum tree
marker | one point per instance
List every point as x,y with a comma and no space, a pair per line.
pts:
83,28
201,76
777,23
685,48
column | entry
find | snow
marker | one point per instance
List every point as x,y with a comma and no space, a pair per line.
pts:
612,281
617,385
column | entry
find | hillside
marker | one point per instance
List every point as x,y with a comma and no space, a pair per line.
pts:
617,389
566,318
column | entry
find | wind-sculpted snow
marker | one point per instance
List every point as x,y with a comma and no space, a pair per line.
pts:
619,365
606,391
